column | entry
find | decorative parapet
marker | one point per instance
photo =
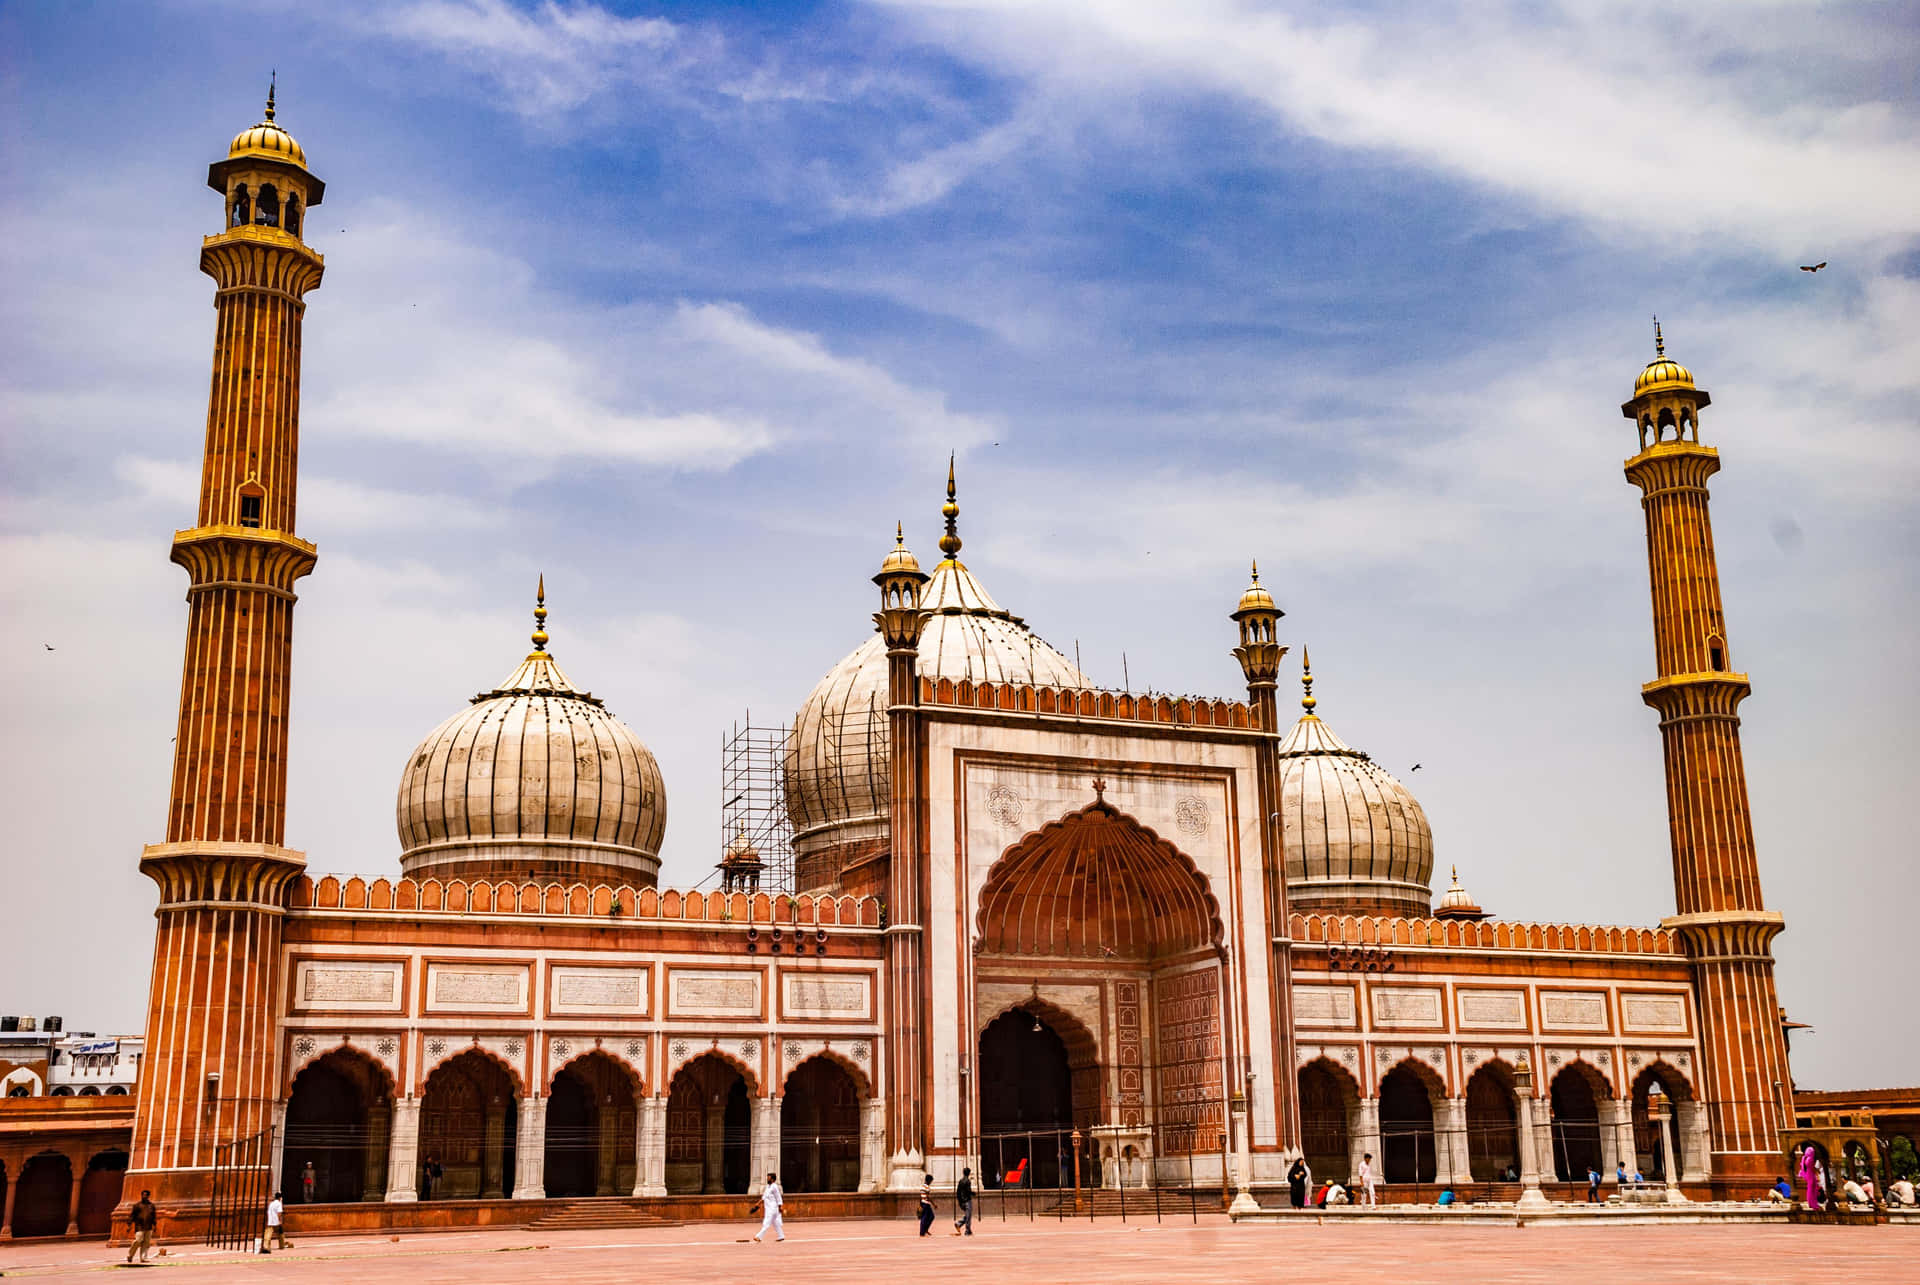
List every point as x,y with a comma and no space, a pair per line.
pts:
1307,930
1086,702
579,901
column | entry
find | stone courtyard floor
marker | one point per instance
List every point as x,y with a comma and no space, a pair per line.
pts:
1022,1253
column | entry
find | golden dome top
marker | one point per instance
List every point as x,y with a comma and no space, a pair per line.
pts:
1256,598
267,140
1662,372
899,557
950,542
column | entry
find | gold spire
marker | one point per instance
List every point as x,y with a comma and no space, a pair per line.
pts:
273,81
1307,702
950,542
540,615
1659,341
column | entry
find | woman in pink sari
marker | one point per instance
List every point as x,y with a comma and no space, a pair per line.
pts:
1809,1174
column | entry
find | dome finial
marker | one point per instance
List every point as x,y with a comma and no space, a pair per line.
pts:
540,615
1307,702
273,81
1659,340
1256,571
950,542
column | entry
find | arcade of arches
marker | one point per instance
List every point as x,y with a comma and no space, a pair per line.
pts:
56,1193
591,1129
1419,1135
468,1125
709,1128
1120,922
820,1128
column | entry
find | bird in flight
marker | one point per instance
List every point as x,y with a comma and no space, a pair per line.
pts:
1413,769
1815,268
49,646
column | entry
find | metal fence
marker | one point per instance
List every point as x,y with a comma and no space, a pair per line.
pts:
242,1185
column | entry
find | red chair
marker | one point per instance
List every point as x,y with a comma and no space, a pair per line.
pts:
1016,1174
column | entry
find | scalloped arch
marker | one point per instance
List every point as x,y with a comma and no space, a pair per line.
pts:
1096,883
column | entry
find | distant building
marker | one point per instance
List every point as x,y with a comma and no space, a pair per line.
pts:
37,1062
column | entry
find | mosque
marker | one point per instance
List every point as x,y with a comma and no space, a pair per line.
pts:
1055,934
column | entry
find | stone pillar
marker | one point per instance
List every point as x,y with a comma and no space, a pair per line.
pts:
765,1146
873,1141
1453,1164
1243,1201
530,1150
1531,1196
403,1151
493,1154
1612,1152
14,1165
374,1177
1363,1136
1544,1163
277,1171
1690,1123
650,1148
78,1168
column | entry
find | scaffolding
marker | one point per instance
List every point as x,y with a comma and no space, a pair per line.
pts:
753,764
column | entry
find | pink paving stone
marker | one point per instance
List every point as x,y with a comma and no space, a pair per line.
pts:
1017,1253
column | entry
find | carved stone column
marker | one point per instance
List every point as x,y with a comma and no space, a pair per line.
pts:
873,1142
403,1151
1614,1148
530,1150
650,1148
78,1167
1690,1124
1454,1163
1363,1136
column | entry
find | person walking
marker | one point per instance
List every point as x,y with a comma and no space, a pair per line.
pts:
142,1218
276,1232
1367,1179
963,1204
307,1177
771,1201
926,1206
432,1177
1593,1185
1299,1178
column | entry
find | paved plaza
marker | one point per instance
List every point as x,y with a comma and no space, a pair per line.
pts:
1016,1253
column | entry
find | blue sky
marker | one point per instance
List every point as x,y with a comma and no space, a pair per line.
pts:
686,304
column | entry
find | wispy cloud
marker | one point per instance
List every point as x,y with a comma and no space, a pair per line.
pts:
1648,120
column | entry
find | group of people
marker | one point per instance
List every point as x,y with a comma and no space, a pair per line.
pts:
1300,1183
773,1202
1856,1193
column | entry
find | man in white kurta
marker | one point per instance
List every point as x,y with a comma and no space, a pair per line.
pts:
770,1201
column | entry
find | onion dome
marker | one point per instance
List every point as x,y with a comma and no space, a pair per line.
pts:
1256,598
1662,372
899,558
1456,904
836,765
534,779
268,140
1356,841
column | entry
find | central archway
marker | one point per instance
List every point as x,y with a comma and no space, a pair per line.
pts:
1131,915
469,1117
1575,1097
336,1126
1028,1104
709,1128
820,1128
590,1129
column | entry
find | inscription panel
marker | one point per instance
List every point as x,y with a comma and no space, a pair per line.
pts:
713,994
1406,1006
1573,1011
360,987
1656,1013
1496,1010
610,991
1323,1005
835,996
472,988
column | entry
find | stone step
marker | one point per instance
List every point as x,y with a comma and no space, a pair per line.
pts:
600,1213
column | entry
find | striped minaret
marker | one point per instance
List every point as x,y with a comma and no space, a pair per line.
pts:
209,1075
1726,927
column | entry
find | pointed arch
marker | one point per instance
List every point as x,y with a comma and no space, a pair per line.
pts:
1096,883
862,1082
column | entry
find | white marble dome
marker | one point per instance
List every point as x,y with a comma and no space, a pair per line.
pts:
836,765
1357,841
533,779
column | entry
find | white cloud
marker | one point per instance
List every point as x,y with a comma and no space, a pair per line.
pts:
1621,114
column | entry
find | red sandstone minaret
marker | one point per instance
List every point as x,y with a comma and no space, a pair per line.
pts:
209,1077
1726,927
900,621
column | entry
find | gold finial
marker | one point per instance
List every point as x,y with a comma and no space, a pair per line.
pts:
950,542
1256,571
273,81
900,535
1659,341
540,615
1307,702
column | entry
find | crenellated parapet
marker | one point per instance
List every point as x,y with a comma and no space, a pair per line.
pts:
1086,702
556,900
1487,934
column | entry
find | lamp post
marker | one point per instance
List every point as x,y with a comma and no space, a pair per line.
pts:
1660,1111
1531,1197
